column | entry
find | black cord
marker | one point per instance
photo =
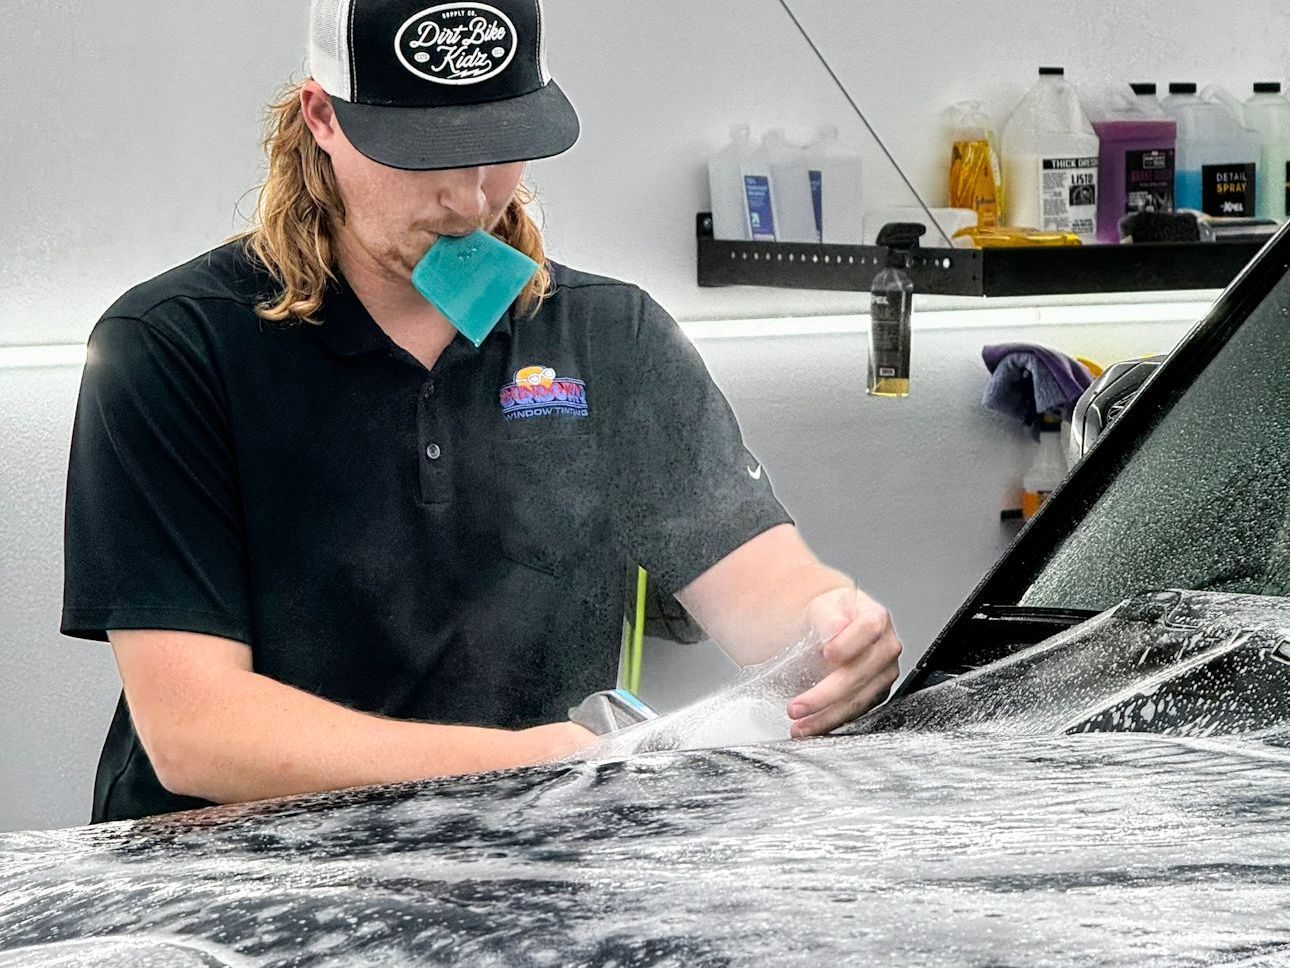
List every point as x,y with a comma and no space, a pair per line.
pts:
855,107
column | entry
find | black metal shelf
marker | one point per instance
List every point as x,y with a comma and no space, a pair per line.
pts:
1037,271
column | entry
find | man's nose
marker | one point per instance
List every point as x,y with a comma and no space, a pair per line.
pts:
463,193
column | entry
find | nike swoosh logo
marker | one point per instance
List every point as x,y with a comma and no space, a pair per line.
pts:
755,474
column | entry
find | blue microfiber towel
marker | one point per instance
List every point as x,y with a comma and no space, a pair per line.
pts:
1028,380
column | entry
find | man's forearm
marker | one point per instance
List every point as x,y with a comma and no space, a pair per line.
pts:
772,622
257,738
753,603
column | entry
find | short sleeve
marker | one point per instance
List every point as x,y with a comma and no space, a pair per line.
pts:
152,531
691,490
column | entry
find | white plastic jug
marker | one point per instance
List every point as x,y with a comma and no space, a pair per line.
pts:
1050,160
836,195
1146,100
1268,113
726,185
757,194
794,212
1217,162
1180,92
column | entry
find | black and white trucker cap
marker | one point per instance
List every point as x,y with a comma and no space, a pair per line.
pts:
452,85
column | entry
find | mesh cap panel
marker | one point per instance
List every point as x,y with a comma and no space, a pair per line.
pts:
329,50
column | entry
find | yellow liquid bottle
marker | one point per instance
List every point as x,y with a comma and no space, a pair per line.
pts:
972,181
976,178
890,387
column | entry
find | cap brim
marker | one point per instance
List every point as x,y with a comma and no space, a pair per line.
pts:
536,125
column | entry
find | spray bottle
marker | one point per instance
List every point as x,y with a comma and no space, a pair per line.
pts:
1048,467
892,308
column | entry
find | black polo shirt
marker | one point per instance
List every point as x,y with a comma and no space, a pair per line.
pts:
443,545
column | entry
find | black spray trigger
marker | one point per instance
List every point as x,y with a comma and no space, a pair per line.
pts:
900,239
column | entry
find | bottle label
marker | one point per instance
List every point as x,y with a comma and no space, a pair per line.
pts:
761,220
817,200
1068,195
889,335
1149,180
1227,190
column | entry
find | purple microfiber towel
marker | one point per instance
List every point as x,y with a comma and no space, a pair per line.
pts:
1029,380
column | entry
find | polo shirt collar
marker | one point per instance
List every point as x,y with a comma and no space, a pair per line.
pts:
348,328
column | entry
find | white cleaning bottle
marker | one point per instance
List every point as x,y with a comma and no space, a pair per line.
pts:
758,205
1147,100
1048,468
1050,155
790,182
836,197
726,184
1268,113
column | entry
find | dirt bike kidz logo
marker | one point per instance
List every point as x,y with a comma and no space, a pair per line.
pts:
457,43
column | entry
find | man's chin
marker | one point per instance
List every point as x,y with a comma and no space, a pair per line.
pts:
401,263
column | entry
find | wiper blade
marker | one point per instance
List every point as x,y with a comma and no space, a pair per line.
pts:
1034,613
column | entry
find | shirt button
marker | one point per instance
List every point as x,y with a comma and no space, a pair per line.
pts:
433,452
428,392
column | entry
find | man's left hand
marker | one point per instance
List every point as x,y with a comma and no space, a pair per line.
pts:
862,652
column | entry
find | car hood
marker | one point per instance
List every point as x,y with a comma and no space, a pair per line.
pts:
893,849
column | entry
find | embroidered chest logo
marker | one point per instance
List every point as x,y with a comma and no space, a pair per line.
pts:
538,392
457,43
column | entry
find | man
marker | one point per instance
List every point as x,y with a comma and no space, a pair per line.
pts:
332,542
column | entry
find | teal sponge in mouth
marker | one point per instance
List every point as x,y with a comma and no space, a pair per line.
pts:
472,280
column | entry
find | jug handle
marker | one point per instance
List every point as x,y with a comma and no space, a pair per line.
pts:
1223,96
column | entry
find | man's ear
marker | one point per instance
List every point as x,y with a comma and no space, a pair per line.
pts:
315,106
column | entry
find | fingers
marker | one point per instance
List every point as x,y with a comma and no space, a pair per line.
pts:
871,623
834,687
869,633
848,691
830,718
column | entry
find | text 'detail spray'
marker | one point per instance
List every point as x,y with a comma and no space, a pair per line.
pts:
892,308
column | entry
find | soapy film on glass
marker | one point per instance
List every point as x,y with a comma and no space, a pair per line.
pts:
1204,501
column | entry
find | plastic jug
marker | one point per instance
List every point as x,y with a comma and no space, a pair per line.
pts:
976,179
1268,113
1146,101
1180,92
726,184
757,196
1135,170
1217,160
1050,160
790,178
836,196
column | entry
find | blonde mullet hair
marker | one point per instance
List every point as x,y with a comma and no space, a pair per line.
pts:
291,233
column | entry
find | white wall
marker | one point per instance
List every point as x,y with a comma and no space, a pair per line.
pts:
131,130
135,136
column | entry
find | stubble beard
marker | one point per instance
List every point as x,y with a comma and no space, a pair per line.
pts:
404,254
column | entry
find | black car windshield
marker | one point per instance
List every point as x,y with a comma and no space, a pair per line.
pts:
1202,501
